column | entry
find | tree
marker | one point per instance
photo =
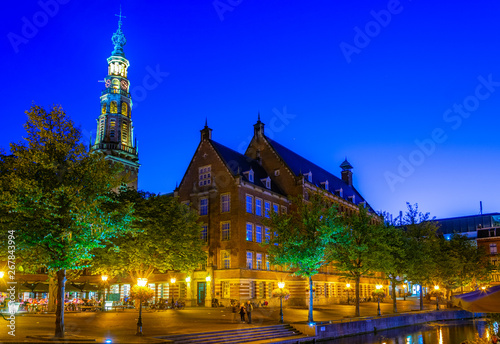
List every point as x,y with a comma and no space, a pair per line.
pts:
391,256
166,237
422,244
53,198
354,244
461,262
301,237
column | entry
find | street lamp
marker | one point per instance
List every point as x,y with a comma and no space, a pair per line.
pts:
379,290
141,282
2,274
281,285
347,287
172,282
104,279
436,289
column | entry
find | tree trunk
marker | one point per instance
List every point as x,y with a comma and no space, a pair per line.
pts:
421,297
356,313
394,301
310,319
51,308
61,280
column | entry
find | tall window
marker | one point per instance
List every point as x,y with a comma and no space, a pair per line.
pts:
226,290
113,108
204,233
258,261
101,128
268,264
267,234
249,260
124,109
249,231
203,206
205,175
258,233
112,127
267,206
226,260
249,204
250,176
258,206
275,208
493,248
225,203
124,131
103,108
225,228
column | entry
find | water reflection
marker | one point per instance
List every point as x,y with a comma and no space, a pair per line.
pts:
449,332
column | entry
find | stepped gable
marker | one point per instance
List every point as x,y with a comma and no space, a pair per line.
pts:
238,163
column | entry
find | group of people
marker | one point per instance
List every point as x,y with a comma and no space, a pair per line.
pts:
246,309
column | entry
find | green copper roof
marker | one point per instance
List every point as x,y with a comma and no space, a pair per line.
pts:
118,38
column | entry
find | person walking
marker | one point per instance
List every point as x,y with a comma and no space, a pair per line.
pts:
242,312
249,310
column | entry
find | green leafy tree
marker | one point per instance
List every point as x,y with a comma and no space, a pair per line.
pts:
391,257
423,247
353,247
461,262
166,237
53,199
301,238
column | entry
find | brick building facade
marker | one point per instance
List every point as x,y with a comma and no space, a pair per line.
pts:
233,193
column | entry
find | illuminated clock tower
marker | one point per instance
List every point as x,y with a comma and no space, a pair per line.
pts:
115,135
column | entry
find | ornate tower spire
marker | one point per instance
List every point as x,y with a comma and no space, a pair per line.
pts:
118,38
115,135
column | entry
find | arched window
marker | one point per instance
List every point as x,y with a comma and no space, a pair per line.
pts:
124,109
103,111
113,107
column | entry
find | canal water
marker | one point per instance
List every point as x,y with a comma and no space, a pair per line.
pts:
449,332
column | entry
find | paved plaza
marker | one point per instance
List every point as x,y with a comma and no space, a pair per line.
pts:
120,326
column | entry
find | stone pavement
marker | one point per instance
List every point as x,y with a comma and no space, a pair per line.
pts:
120,326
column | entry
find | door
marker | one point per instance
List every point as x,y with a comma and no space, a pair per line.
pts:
202,290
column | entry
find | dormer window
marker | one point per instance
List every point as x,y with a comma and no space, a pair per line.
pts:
266,182
325,184
250,176
309,176
351,198
340,193
363,204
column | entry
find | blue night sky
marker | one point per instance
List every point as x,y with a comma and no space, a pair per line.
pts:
408,90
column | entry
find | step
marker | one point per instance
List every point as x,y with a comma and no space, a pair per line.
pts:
234,336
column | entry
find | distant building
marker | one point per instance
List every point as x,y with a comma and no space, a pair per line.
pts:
485,229
233,193
467,225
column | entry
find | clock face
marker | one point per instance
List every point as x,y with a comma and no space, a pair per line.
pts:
124,84
108,83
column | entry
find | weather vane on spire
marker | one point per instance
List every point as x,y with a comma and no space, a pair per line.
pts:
120,16
118,38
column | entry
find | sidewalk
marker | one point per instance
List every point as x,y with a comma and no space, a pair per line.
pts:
120,326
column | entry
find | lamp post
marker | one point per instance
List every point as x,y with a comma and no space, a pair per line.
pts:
141,282
404,291
379,290
436,289
281,285
172,282
2,274
104,279
347,288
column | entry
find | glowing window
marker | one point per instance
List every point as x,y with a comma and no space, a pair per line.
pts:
113,107
249,204
124,131
204,233
249,231
226,260
112,127
249,260
225,203
258,233
258,206
103,111
258,261
203,206
124,109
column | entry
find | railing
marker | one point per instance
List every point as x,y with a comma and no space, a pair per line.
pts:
488,232
114,91
115,146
